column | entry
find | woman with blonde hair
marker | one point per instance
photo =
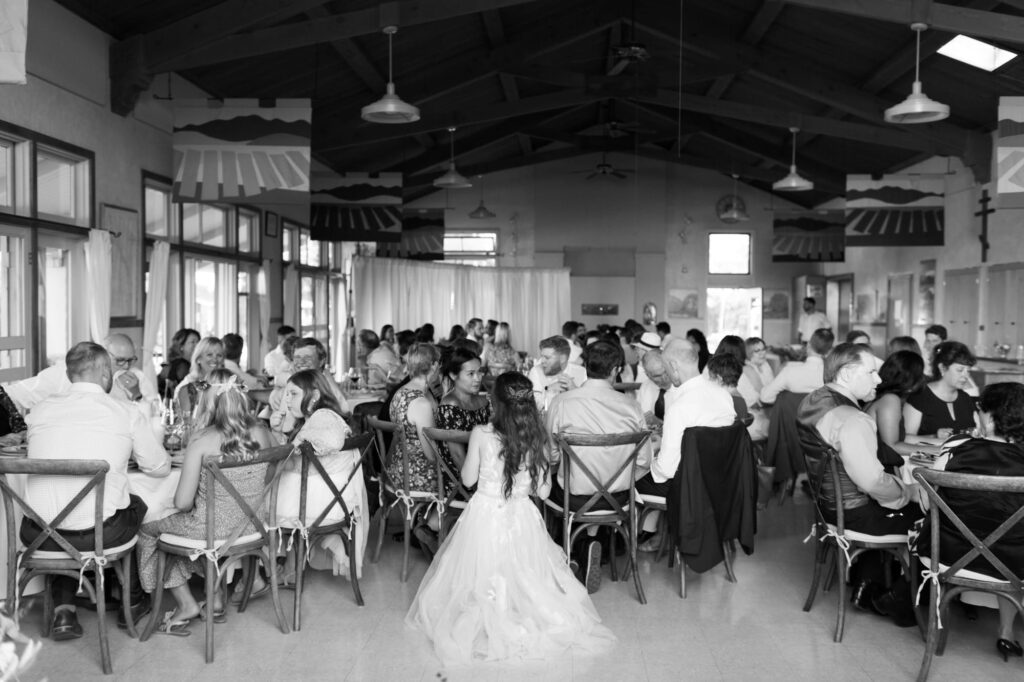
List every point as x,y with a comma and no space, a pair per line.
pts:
207,356
500,357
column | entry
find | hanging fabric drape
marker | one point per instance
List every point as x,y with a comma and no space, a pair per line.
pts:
263,323
97,273
156,300
534,301
290,293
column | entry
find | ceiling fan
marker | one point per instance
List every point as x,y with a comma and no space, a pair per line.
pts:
630,52
605,169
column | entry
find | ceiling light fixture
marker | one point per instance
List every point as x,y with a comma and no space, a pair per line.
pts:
917,107
452,179
481,212
793,182
731,207
390,108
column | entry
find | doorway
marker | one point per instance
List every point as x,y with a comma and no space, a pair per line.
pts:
733,311
839,303
898,311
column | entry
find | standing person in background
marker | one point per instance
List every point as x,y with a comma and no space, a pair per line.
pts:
275,361
233,345
810,320
178,360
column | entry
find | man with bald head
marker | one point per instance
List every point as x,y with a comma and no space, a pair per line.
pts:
129,383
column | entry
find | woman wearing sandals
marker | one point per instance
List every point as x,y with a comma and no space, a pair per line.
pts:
227,432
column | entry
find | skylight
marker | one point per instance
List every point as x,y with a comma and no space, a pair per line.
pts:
976,53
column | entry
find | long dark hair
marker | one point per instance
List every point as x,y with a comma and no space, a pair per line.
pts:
518,424
308,380
902,373
703,354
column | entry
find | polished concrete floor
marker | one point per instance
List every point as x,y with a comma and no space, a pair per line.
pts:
752,630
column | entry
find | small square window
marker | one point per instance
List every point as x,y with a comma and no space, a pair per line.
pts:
728,253
63,187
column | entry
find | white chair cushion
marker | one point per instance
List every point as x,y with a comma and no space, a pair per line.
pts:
651,499
415,494
107,551
964,573
193,543
894,539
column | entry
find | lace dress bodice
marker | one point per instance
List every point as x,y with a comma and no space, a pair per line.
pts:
492,474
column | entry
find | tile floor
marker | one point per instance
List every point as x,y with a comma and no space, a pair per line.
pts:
752,630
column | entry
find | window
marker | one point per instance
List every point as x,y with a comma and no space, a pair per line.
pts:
14,175
210,300
478,247
289,242
160,212
733,311
314,316
204,224
309,249
13,307
976,53
248,231
728,253
63,186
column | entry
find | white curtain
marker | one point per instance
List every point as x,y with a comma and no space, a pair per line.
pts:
407,293
290,308
263,322
156,299
97,276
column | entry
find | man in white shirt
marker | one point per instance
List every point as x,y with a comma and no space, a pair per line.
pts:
276,362
697,401
570,332
86,423
802,377
475,330
656,381
810,320
129,383
553,374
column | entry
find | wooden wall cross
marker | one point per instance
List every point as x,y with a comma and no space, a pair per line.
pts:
984,213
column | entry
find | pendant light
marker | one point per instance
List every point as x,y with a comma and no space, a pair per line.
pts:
793,182
731,208
481,212
390,108
917,107
452,179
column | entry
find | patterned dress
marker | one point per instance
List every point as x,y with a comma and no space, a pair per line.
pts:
457,418
248,481
422,476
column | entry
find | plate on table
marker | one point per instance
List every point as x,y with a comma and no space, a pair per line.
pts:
14,450
922,459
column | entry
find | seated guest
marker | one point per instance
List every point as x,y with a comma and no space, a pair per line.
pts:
597,408
313,416
233,345
382,364
942,407
999,453
412,409
694,401
462,406
474,330
404,339
12,424
725,369
500,357
230,434
425,334
86,423
859,336
874,502
757,373
664,331
208,356
387,338
457,332
696,337
178,361
898,343
933,336
651,394
276,361
802,377
554,374
309,353
570,332
644,342
902,375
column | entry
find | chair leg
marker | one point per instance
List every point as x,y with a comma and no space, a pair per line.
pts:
682,575
819,565
382,529
211,592
300,572
636,570
47,604
101,621
158,596
123,569
249,569
275,593
611,548
406,531
727,551
353,575
841,571
931,641
831,570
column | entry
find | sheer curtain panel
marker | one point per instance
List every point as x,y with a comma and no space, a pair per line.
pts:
155,302
406,293
97,269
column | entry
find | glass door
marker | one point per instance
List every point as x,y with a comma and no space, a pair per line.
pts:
15,336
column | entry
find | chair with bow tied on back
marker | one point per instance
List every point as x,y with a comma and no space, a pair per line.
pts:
451,492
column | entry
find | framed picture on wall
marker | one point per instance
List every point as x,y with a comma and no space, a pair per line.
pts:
125,261
684,303
271,229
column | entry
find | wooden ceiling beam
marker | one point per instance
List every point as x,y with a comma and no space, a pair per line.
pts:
756,29
1007,28
495,30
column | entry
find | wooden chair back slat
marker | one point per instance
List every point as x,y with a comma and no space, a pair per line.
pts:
362,443
571,460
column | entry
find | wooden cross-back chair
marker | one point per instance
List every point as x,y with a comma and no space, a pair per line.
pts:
601,508
309,532
221,553
456,500
949,580
32,561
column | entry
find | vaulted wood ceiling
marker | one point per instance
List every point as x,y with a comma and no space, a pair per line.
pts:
528,81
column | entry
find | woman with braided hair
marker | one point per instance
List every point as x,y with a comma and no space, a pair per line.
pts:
499,588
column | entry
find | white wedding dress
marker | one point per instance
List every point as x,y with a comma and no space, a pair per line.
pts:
499,588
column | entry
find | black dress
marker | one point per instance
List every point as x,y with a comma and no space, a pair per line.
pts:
935,412
981,512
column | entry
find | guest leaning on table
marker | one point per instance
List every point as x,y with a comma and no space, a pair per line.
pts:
228,433
942,408
874,502
86,423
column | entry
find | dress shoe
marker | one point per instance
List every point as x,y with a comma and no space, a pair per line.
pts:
1006,648
899,611
593,576
65,626
138,610
863,597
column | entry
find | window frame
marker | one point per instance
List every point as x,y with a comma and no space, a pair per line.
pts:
750,253
468,257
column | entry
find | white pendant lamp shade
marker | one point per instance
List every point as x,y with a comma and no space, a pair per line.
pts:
452,179
390,108
481,212
793,182
917,107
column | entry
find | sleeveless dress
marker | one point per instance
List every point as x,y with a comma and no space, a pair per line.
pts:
935,411
458,418
422,475
499,588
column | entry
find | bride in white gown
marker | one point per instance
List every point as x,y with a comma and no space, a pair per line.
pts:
499,588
